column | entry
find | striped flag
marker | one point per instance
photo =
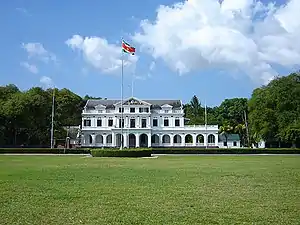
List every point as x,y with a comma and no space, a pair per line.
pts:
127,48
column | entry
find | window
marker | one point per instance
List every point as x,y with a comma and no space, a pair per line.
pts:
166,111
166,122
87,123
132,123
99,123
121,121
110,122
234,143
177,122
100,111
155,122
132,110
146,110
225,143
121,110
144,123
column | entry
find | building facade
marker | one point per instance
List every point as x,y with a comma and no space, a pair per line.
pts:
146,123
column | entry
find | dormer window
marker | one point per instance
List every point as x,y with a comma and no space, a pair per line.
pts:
121,110
166,111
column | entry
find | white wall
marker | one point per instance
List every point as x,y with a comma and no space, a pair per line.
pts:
229,144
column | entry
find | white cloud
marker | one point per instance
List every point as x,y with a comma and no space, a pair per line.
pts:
37,50
32,68
152,66
46,82
244,35
100,54
23,11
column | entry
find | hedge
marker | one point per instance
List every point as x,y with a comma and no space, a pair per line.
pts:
225,151
121,153
43,151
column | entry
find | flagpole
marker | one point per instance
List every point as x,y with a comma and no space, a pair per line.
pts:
206,124
132,86
52,118
122,71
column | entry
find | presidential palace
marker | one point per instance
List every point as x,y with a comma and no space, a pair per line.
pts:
146,123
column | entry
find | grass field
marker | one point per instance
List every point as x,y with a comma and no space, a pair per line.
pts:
167,190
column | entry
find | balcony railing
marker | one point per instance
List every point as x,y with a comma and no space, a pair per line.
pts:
201,126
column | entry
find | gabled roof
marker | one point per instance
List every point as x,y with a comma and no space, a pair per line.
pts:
110,103
132,101
230,137
166,106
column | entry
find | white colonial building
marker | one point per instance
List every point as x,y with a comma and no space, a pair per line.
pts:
146,123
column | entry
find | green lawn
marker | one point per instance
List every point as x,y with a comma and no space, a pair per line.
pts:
167,190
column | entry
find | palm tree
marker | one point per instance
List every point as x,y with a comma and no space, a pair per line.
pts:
241,130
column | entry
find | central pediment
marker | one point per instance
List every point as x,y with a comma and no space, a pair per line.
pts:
133,101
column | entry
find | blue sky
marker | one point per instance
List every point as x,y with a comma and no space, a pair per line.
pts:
179,52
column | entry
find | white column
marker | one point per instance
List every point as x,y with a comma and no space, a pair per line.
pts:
182,122
160,139
216,140
205,139
194,139
149,140
149,122
127,122
182,140
104,139
113,142
171,139
137,137
125,140
94,139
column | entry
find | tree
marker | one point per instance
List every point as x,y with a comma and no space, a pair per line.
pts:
274,110
240,129
226,130
194,111
231,111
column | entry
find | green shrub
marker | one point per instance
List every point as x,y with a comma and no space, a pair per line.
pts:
225,151
43,151
121,153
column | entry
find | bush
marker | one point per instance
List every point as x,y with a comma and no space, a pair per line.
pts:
43,151
225,151
121,153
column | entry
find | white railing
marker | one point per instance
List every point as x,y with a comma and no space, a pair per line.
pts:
202,126
189,144
177,144
166,144
199,144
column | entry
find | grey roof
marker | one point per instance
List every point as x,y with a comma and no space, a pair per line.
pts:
109,103
230,137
